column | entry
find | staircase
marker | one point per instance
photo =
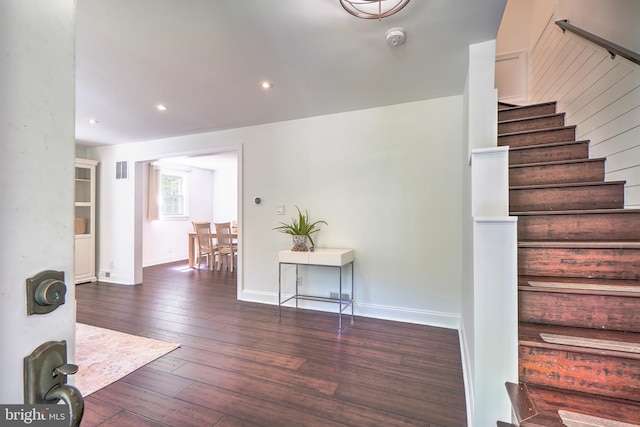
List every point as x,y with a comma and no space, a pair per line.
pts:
578,277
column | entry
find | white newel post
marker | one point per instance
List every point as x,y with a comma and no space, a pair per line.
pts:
495,278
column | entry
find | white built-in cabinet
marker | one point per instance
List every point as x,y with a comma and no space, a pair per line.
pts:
85,224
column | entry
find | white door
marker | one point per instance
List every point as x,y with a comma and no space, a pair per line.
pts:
37,116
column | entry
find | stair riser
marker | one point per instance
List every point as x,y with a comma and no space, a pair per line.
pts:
537,138
567,198
557,173
621,263
596,374
597,226
616,313
552,153
548,401
534,110
531,124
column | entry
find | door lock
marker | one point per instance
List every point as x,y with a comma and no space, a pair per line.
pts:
45,292
45,379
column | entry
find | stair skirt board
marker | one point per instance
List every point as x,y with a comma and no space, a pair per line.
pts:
585,286
572,419
621,346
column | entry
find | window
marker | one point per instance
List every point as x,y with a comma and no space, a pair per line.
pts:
174,195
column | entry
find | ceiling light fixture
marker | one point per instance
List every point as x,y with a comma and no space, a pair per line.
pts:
93,121
161,107
266,85
373,9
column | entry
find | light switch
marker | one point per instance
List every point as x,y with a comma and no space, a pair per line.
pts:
279,209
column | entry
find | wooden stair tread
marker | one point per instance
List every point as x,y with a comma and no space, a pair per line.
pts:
549,401
571,184
579,212
524,279
526,132
523,406
583,244
584,286
556,162
524,107
572,418
521,119
548,145
594,341
507,104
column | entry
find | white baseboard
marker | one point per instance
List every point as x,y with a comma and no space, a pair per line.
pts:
466,374
164,260
399,314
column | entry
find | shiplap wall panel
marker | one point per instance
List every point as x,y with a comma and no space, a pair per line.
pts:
606,137
599,94
622,167
580,81
566,57
609,89
618,146
632,193
551,67
580,57
587,77
547,42
617,107
549,48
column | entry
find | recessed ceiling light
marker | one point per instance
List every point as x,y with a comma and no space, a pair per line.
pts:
161,107
93,121
266,85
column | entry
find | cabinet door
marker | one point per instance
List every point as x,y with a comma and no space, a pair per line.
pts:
84,258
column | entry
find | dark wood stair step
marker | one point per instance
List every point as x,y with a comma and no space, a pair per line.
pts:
591,361
549,401
521,402
567,150
604,304
531,123
519,112
557,172
598,260
506,105
536,137
603,224
571,196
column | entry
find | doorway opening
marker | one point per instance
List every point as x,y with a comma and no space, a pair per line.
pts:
211,192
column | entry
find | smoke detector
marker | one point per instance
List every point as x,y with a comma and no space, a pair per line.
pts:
395,36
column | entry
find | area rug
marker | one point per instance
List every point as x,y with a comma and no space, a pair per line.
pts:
104,356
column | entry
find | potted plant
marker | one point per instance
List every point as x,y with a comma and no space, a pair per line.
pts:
301,229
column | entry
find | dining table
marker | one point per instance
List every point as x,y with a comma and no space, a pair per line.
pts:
192,246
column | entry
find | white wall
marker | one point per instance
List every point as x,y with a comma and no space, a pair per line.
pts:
387,180
225,194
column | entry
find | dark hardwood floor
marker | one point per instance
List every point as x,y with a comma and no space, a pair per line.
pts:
238,365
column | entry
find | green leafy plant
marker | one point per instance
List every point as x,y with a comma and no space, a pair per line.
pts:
300,226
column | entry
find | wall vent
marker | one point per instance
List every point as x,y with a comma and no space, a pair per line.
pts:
121,170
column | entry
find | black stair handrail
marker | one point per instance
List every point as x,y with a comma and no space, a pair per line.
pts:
612,48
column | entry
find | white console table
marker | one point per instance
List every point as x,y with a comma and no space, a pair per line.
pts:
322,257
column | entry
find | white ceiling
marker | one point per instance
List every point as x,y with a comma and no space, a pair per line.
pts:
204,60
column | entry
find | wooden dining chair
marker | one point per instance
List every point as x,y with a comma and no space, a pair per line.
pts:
226,245
205,245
